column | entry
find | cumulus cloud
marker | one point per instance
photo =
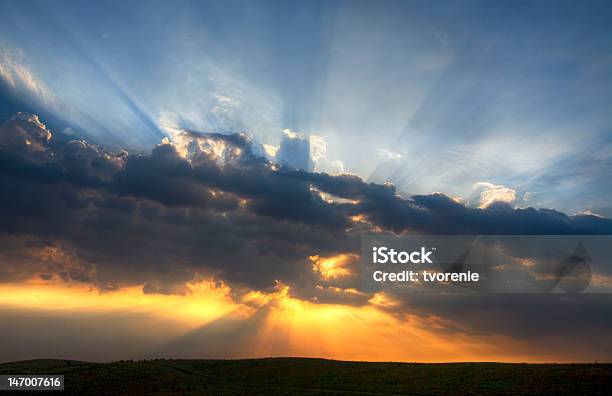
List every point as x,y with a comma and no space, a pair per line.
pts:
294,150
318,148
319,159
491,193
216,208
209,204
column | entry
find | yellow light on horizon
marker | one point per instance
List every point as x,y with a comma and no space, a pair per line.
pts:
205,303
276,323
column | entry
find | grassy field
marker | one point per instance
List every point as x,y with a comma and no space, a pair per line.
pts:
317,376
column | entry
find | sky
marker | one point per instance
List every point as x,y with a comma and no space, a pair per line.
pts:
191,179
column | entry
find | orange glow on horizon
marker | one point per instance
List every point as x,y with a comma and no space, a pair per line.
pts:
288,326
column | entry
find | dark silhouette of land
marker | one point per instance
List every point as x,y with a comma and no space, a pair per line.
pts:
286,376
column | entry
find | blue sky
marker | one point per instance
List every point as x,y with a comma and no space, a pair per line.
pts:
472,99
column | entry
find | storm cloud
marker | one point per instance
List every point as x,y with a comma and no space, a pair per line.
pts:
209,206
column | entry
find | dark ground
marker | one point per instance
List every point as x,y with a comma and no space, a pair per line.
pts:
317,376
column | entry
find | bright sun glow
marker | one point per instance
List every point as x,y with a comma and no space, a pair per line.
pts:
290,326
332,267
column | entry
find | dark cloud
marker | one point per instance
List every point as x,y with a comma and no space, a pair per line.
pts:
208,206
138,217
439,214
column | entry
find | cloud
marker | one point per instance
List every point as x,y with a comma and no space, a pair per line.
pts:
294,150
388,155
20,78
336,167
219,210
318,148
491,193
210,206
270,150
319,157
